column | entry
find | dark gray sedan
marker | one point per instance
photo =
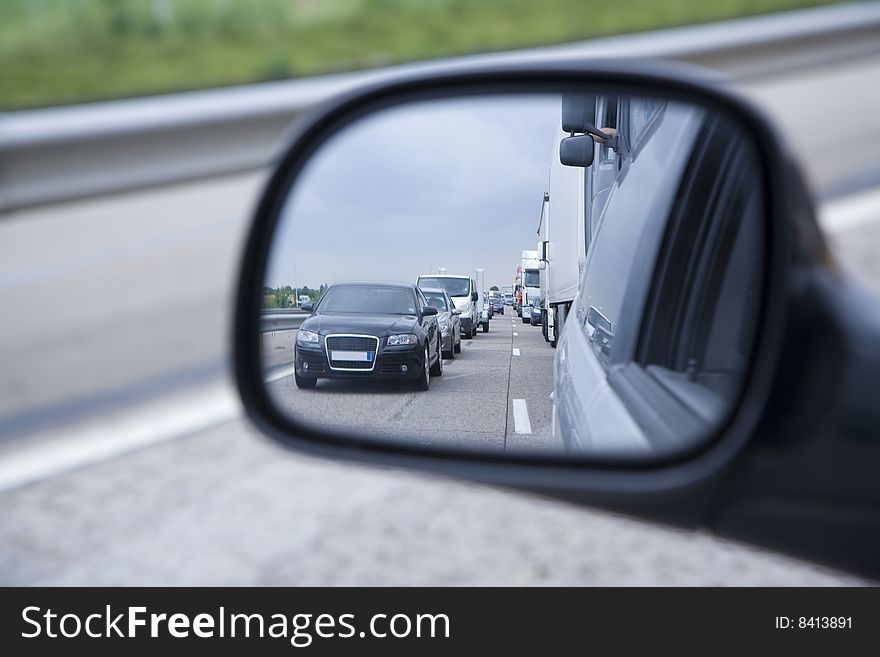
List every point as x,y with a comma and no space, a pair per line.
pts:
369,331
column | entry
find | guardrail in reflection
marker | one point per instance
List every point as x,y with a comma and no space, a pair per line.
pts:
281,320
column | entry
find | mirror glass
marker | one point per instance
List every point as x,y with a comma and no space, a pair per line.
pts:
624,285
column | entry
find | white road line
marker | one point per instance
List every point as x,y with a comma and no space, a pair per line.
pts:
521,422
152,423
515,333
516,351
850,211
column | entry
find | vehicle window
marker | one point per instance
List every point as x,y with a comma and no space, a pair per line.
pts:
455,287
532,278
716,254
641,114
421,302
436,300
365,299
605,167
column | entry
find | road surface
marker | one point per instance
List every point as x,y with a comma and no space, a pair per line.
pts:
494,395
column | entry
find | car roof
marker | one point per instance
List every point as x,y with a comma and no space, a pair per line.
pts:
443,276
374,283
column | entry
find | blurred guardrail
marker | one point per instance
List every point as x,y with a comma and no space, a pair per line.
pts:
279,319
59,154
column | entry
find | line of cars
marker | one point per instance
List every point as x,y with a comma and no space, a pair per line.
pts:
390,331
496,301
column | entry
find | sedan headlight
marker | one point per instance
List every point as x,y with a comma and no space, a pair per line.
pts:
405,338
307,337
444,326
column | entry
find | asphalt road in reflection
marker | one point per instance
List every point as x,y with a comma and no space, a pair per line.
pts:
478,401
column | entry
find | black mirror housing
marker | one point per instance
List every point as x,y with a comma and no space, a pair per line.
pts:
429,310
790,469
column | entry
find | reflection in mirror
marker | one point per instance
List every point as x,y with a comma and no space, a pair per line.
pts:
594,261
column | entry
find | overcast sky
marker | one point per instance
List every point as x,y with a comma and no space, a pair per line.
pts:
455,183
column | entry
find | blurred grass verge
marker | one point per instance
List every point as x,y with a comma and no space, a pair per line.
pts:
55,52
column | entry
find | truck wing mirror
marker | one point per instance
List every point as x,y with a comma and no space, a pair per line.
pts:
578,112
576,151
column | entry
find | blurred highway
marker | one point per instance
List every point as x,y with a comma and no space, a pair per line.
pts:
115,333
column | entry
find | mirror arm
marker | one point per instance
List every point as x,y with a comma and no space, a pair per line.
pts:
612,142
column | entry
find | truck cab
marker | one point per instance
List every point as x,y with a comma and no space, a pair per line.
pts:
531,282
483,310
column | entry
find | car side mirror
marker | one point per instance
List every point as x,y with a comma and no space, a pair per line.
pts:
689,383
429,310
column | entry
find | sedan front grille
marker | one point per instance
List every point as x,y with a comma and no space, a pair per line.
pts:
354,344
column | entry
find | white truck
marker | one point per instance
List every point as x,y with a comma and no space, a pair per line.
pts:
530,282
576,195
481,311
561,241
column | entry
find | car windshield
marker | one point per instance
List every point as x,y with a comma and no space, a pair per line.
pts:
455,287
532,278
436,300
366,299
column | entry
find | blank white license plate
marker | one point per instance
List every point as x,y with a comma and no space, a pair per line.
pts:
360,356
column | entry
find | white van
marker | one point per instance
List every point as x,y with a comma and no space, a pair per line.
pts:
463,291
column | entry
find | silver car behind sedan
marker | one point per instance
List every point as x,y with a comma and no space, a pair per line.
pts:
448,318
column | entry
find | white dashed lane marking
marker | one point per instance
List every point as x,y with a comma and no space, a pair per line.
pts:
521,423
516,351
